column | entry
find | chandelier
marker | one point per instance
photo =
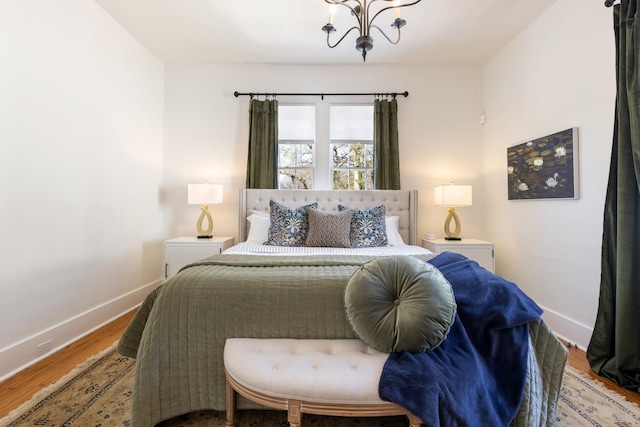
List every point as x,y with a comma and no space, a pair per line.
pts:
365,17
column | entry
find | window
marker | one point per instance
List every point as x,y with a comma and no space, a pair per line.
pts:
296,141
325,146
351,130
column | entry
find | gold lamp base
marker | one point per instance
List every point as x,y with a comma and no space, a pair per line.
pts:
452,235
205,233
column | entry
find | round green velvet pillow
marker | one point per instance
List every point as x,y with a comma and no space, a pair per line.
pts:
399,303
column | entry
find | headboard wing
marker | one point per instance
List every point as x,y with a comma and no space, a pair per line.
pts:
401,203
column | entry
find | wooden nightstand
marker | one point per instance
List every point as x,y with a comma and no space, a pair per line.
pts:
185,250
477,250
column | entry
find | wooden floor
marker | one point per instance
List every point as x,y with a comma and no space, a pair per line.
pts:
578,359
20,387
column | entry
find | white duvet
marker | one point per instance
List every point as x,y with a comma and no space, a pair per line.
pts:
257,249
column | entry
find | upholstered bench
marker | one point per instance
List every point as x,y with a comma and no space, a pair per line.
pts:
325,377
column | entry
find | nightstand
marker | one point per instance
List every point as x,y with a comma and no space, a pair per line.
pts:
477,250
185,250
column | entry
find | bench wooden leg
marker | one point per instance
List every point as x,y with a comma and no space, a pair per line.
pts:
414,421
294,416
231,405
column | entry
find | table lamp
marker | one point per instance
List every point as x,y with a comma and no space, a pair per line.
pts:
452,196
204,194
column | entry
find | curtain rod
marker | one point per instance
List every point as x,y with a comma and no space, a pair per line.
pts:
609,3
322,95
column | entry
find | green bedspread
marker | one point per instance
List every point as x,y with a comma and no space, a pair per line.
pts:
178,334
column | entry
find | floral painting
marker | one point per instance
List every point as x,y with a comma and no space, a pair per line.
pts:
544,168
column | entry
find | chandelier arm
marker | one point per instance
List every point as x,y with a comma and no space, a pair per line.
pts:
385,35
341,38
389,7
348,6
341,2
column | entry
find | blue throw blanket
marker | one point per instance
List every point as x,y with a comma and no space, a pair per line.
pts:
477,375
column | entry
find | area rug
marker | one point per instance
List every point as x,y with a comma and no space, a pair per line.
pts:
97,393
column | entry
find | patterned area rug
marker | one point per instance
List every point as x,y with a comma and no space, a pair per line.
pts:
97,393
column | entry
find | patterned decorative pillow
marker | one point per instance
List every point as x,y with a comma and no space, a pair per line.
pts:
368,227
329,230
289,227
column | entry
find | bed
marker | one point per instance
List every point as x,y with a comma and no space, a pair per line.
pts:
178,334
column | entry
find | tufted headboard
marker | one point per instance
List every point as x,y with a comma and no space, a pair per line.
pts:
401,203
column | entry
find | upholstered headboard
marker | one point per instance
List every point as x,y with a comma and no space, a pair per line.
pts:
401,203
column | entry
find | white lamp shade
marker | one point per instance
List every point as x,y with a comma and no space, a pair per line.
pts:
204,194
453,195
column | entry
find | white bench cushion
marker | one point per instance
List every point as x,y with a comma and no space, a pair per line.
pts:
329,371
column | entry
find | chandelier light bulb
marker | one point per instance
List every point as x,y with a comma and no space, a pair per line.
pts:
332,11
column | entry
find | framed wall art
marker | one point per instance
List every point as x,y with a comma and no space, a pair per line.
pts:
544,168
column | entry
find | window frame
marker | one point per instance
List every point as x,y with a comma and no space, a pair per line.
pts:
311,142
322,164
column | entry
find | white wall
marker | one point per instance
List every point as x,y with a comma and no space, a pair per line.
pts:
207,131
81,137
557,74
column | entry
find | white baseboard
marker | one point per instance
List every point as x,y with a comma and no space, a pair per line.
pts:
568,329
24,353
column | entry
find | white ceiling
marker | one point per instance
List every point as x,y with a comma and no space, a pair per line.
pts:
460,32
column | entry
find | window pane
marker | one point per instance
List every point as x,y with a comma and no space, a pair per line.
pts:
305,155
368,153
299,179
304,179
351,122
297,122
369,180
357,180
340,180
340,155
285,179
287,155
357,156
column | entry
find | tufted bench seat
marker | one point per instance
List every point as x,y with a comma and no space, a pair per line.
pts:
326,377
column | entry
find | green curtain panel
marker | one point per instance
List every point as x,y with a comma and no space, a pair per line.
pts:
385,140
262,163
614,349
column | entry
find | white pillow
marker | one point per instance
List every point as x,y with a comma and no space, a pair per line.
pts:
258,228
392,224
